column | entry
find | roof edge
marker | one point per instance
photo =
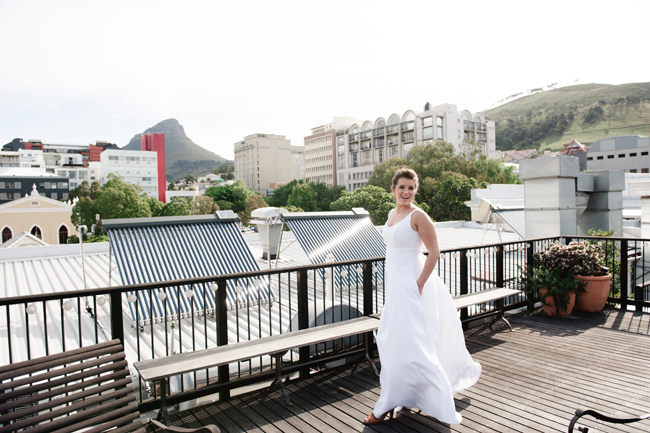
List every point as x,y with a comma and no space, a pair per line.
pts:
109,224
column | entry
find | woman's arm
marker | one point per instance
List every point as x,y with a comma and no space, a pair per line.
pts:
427,231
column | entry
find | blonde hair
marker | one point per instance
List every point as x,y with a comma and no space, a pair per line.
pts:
406,173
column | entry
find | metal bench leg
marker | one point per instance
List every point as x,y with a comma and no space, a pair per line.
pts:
501,315
278,376
164,413
366,343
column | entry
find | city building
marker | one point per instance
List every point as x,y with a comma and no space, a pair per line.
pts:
361,145
133,166
156,143
17,182
265,159
42,217
629,153
319,150
9,158
577,149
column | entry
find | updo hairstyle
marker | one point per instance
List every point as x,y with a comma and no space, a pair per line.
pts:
406,173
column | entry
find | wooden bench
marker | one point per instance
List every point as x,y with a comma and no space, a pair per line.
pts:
160,369
496,294
87,389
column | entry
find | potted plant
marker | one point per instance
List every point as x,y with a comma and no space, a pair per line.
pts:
557,278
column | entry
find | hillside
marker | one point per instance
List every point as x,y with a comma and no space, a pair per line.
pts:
182,155
585,112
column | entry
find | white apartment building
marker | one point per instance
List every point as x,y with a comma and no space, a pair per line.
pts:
138,167
361,145
319,151
9,158
628,153
265,159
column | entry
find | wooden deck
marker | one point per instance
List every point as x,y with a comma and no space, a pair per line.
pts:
533,380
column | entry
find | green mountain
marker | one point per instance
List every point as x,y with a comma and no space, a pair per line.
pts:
587,112
182,155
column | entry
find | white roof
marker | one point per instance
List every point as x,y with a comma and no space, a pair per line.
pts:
25,172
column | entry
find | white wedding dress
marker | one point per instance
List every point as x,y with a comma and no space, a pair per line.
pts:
422,351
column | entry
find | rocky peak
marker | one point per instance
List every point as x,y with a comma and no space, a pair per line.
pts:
169,127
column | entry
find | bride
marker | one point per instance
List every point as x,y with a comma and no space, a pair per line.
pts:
420,339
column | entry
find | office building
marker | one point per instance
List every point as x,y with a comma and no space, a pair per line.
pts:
133,166
265,159
628,153
17,182
319,150
361,145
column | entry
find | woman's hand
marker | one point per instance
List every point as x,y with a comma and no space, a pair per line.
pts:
420,286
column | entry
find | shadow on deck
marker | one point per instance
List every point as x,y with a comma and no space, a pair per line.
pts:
533,381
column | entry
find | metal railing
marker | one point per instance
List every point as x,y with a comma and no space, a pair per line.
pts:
300,297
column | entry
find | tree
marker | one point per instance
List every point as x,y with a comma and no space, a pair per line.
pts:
204,205
281,195
190,178
116,199
85,190
255,201
171,186
382,174
178,206
374,199
220,193
446,196
156,206
303,196
240,193
224,205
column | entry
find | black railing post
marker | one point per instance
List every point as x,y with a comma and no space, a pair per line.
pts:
221,316
303,318
367,289
530,257
464,285
499,265
117,318
623,277
367,302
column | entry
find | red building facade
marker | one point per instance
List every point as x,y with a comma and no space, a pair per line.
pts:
156,143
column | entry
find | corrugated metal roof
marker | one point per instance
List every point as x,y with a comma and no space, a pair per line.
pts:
164,252
350,237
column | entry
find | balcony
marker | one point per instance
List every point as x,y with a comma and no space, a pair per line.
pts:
602,357
393,129
354,147
353,137
366,134
407,138
407,126
365,145
380,142
378,131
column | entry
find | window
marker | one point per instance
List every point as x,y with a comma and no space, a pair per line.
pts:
621,155
427,133
439,128
610,156
379,156
427,121
633,170
341,161
6,234
633,154
644,153
644,170
366,158
63,235
63,185
599,157
54,196
36,232
590,158
353,160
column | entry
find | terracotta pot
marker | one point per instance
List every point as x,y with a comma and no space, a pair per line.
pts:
596,292
551,310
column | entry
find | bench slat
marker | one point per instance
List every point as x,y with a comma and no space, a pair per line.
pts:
159,368
483,297
80,353
91,368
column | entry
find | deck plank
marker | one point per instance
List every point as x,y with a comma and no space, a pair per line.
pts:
533,381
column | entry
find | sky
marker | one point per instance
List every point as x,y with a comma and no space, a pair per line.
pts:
74,72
